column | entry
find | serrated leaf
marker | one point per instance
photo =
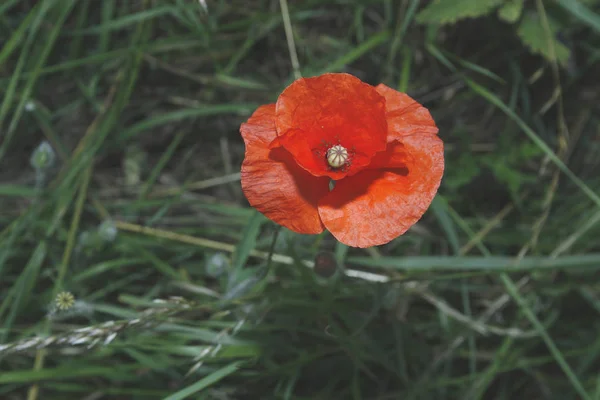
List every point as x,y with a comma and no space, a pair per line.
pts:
450,11
533,35
511,11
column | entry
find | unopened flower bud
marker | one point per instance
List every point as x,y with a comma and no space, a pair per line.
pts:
107,231
43,157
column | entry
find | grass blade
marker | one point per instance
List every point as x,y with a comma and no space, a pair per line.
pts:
205,382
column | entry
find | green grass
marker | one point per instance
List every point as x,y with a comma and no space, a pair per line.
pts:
183,291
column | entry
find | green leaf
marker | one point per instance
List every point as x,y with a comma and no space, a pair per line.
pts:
533,35
69,372
23,288
476,263
447,12
355,53
127,21
466,168
248,242
513,291
205,382
511,11
439,206
581,12
17,191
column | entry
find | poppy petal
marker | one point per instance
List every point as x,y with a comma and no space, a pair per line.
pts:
375,206
314,114
396,155
404,115
272,181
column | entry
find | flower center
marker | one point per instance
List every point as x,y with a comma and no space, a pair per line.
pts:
337,156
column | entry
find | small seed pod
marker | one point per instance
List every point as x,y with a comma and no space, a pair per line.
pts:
337,156
64,300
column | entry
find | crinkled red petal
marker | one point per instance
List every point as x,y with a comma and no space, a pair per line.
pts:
377,205
272,181
395,156
314,114
404,115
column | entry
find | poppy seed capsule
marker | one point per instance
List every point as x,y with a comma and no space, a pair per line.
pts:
337,156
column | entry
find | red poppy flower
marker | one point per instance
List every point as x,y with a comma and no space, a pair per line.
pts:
379,146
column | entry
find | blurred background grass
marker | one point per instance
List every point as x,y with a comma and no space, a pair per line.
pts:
119,184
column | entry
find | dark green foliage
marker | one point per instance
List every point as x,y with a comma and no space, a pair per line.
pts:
181,290
538,31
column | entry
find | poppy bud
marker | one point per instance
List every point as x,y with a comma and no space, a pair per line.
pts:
325,264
